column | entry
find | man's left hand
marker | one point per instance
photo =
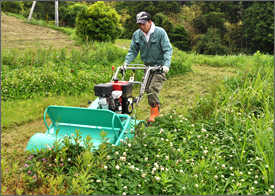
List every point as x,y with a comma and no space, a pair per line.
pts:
165,69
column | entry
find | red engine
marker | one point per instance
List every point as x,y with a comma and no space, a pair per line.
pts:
115,96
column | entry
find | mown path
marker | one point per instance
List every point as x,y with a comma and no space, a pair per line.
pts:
177,92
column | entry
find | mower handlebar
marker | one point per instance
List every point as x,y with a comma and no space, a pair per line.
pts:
143,84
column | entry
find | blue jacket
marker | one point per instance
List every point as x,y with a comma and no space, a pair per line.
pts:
158,50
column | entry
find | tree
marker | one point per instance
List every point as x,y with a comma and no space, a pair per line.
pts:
152,7
12,6
68,14
98,23
259,27
179,38
234,37
211,43
163,21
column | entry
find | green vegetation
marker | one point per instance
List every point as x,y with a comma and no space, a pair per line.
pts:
98,23
223,143
219,143
216,27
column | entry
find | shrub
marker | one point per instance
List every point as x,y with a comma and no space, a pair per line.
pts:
12,6
180,38
99,22
69,14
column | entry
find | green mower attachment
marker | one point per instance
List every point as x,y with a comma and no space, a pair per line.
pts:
66,120
109,112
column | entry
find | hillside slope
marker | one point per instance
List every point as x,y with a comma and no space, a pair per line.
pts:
17,34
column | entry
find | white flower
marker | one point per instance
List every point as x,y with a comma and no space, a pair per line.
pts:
196,185
183,188
69,159
205,152
195,175
241,173
166,157
252,188
272,186
123,193
108,157
231,168
157,155
125,187
242,180
98,181
199,136
117,167
143,175
124,154
178,150
255,182
132,167
157,178
106,167
116,153
162,139
146,159
223,165
256,176
129,145
181,171
203,130
108,142
123,158
239,184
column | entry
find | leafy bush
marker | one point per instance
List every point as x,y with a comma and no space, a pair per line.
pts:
210,43
12,6
98,23
179,38
68,14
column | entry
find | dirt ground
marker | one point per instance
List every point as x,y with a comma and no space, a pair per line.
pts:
23,35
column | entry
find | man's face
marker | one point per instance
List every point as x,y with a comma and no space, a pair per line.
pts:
145,27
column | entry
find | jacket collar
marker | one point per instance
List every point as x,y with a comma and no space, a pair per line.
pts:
151,31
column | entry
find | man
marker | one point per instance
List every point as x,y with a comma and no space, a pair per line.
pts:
155,50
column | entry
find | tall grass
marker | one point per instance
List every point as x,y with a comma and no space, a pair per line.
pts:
245,107
223,145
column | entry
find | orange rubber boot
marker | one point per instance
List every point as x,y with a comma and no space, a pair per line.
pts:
154,113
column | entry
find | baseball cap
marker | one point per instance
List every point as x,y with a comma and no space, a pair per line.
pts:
143,17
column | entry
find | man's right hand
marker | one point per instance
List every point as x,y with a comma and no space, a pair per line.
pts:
125,65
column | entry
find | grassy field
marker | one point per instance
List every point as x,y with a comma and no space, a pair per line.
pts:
214,137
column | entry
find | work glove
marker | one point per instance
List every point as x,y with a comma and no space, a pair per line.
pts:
125,65
165,69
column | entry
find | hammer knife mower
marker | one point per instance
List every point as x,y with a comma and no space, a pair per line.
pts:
109,112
